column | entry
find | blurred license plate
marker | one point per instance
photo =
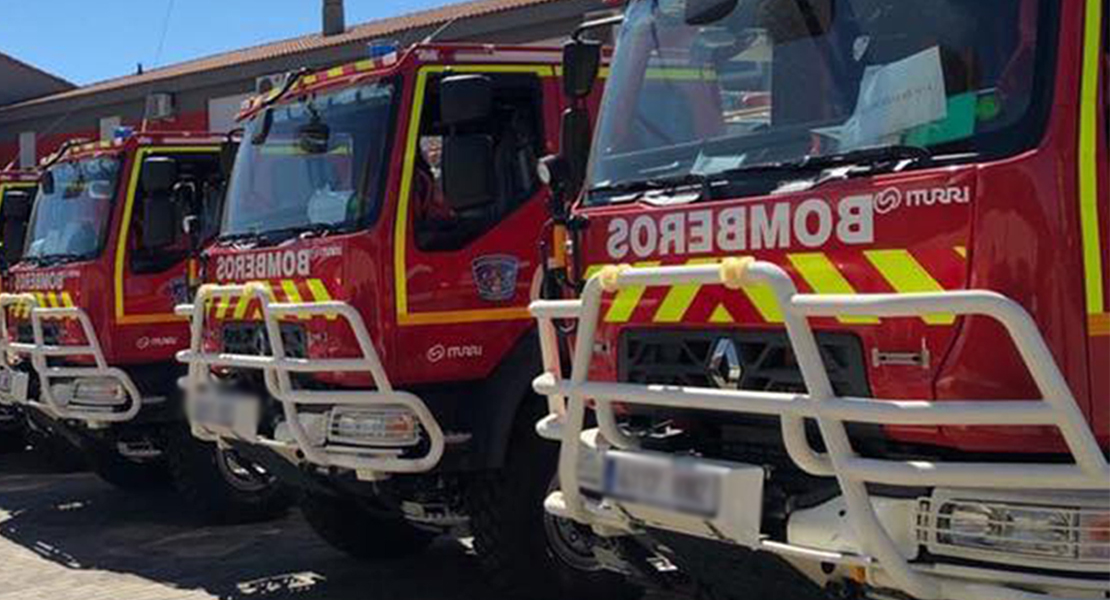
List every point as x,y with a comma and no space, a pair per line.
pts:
682,485
235,415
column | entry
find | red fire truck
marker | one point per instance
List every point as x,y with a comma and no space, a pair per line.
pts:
364,331
838,320
20,186
88,314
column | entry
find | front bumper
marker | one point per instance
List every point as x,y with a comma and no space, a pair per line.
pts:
885,538
96,394
310,436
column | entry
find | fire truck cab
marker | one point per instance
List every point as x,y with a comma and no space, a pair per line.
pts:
17,189
836,318
363,330
88,322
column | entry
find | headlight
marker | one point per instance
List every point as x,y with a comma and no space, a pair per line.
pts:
390,427
1069,533
103,391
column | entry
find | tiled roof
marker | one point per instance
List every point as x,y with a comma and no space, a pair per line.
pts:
358,33
19,63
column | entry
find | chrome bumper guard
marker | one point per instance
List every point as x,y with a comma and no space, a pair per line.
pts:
887,563
277,368
62,400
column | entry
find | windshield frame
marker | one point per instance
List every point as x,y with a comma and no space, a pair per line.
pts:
105,225
363,194
1027,133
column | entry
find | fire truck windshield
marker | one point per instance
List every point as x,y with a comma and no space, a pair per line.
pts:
779,83
315,164
71,222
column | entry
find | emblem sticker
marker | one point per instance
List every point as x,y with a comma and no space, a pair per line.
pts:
495,275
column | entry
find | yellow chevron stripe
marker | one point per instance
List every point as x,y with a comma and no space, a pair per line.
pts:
680,297
336,72
67,300
241,307
823,276
222,306
721,315
320,294
961,250
902,271
318,290
292,294
1088,158
52,299
626,300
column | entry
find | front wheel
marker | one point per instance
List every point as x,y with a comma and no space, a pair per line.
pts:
525,550
357,529
126,474
221,485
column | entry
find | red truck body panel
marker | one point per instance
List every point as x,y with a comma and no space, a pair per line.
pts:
423,309
1014,226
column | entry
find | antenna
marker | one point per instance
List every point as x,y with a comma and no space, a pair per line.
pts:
435,34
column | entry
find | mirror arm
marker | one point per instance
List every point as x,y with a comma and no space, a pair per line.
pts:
596,24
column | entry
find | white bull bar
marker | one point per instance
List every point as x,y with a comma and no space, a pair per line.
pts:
277,367
567,402
39,351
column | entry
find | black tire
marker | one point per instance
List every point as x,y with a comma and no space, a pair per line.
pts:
58,453
727,572
513,534
221,486
125,474
358,531
12,440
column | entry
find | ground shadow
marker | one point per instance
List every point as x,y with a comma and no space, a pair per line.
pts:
80,523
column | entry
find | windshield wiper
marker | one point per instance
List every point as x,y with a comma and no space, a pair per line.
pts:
636,190
61,257
276,236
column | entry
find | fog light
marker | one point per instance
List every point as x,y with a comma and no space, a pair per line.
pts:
101,390
391,427
1027,530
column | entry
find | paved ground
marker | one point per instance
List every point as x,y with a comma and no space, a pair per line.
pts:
71,537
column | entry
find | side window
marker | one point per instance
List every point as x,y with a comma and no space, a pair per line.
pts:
158,240
516,129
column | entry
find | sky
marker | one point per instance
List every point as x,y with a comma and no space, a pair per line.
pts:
85,41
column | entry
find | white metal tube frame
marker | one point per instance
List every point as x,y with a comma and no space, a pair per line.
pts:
277,368
40,352
567,403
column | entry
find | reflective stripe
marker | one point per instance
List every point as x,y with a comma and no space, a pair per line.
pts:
680,297
721,315
1098,325
902,271
1088,156
320,294
961,250
626,300
67,300
822,275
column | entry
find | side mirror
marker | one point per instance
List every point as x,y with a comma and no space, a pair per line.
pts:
581,64
465,98
46,183
228,150
16,211
159,175
574,145
160,222
704,12
313,137
468,177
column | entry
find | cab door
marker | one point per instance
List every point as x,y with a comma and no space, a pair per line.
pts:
150,272
463,273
